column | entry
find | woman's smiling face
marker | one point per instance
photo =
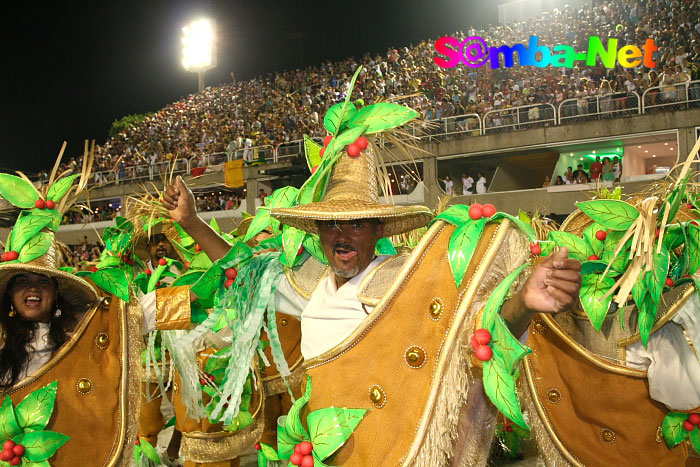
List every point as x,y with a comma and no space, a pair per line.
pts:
33,296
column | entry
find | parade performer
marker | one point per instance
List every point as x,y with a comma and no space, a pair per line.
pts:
616,381
66,370
388,340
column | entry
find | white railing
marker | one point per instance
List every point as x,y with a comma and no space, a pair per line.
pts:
671,96
589,107
516,118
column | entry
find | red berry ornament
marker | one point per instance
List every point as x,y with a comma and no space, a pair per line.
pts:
353,150
362,143
137,441
658,232
476,211
6,455
314,168
12,255
296,458
535,249
15,461
669,282
688,426
307,461
40,204
197,248
93,269
305,448
148,272
322,152
694,223
593,258
257,446
228,283
327,140
3,257
694,418
296,448
162,261
18,450
483,353
231,273
482,336
50,204
9,444
488,210
601,234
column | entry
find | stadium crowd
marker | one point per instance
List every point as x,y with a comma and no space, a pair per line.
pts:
247,119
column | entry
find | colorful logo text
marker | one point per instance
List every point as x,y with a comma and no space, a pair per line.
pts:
474,52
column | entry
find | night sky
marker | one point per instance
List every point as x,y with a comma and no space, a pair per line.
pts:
70,68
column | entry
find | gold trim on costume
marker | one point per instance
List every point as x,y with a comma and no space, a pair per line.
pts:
374,299
581,350
173,308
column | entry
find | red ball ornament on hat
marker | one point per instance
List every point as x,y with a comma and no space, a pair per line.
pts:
669,282
197,248
257,446
353,150
6,455
593,258
137,441
3,257
601,235
228,283
362,143
482,336
148,272
15,461
12,255
322,152
231,273
307,461
314,169
327,140
93,269
694,418
476,211
162,261
535,249
483,353
50,204
488,210
688,426
9,444
18,450
40,204
296,458
305,448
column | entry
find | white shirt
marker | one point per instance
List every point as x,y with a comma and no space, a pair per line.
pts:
39,350
332,313
672,364
467,184
481,185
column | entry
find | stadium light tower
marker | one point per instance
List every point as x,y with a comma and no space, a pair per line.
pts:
198,48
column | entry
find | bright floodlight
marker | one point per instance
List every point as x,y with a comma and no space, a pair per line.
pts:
198,46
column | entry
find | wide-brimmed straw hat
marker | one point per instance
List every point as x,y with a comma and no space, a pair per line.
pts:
353,193
141,237
73,289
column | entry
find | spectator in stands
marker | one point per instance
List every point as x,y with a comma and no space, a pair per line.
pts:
467,184
559,181
547,181
579,170
480,184
449,185
569,176
608,174
617,168
596,169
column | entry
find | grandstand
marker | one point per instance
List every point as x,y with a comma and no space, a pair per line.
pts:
518,127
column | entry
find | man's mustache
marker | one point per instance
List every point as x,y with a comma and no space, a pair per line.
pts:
343,246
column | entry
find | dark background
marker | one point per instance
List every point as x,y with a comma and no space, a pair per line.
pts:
71,68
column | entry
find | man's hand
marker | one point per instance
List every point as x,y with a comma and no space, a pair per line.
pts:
551,288
179,201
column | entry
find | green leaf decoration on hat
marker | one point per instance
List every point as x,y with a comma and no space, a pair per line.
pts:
18,191
59,189
25,424
35,247
578,248
312,150
26,227
595,298
693,247
328,430
338,115
113,280
382,116
613,214
461,247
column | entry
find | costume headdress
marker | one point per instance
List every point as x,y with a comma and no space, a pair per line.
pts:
344,183
31,246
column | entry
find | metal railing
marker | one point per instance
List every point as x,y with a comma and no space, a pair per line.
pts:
671,96
521,117
595,107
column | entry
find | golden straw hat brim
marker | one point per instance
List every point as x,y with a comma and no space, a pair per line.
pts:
396,219
73,289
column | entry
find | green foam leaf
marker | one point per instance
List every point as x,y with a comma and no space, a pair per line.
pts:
382,116
40,445
61,187
293,423
312,244
693,247
27,226
291,241
500,387
335,119
461,247
329,428
612,214
18,191
35,247
506,345
112,280
524,227
596,306
149,451
672,428
385,247
455,215
312,150
269,452
9,428
493,304
578,248
612,241
259,223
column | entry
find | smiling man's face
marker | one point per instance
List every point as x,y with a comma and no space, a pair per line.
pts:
159,247
349,245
